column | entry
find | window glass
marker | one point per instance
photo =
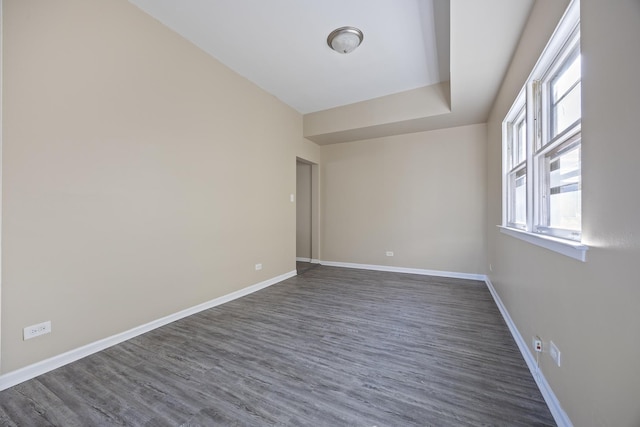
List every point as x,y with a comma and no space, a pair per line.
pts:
520,197
518,140
522,141
565,198
566,96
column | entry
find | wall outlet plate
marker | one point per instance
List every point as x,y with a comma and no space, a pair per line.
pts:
554,352
537,344
258,267
389,253
36,330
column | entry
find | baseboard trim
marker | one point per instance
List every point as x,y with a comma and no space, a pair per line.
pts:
559,415
302,259
315,261
420,271
28,372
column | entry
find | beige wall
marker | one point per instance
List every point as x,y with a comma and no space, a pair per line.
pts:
419,195
134,165
303,210
590,310
140,176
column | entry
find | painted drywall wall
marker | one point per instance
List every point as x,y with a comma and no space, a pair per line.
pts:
140,176
303,210
419,195
589,310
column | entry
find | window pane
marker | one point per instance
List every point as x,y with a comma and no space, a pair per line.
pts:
567,110
565,190
566,96
518,141
522,141
567,78
519,215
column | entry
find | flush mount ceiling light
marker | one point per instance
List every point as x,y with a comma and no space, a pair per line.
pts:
345,39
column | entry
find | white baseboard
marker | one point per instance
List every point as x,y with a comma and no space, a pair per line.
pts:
559,415
16,377
420,271
315,261
302,259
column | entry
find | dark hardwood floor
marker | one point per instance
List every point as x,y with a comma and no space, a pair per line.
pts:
330,347
302,266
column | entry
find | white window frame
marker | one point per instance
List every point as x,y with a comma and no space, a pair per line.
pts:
535,101
512,165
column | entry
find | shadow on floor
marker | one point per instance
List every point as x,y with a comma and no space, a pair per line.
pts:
303,267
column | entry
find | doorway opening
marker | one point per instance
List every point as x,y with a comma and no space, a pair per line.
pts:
307,248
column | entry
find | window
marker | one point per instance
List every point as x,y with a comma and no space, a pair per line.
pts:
517,174
542,142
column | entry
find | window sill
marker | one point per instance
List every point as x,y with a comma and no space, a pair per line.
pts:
568,248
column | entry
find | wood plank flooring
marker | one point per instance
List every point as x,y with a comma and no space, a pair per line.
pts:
302,266
330,347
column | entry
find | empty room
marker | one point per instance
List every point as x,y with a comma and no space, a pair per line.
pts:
320,213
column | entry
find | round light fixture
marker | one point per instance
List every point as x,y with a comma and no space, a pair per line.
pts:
345,39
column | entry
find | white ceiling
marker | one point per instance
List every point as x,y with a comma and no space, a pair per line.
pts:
423,64
280,45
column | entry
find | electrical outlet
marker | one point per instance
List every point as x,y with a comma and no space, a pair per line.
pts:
554,352
389,253
537,344
36,330
258,267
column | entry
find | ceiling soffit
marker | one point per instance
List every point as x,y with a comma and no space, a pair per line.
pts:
484,36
